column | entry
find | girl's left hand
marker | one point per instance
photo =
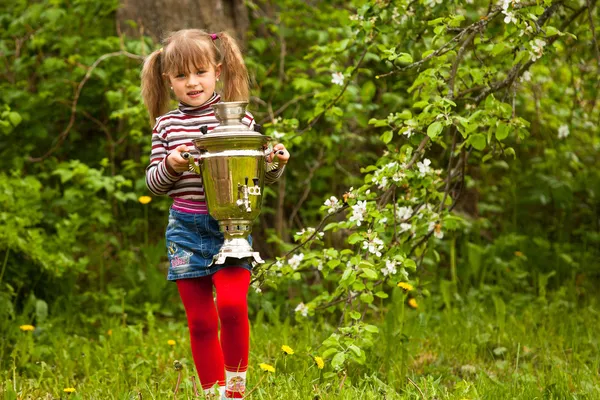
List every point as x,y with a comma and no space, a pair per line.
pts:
282,154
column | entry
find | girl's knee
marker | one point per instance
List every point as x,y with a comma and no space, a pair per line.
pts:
232,309
203,325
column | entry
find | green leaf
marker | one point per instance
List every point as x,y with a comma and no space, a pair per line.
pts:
477,140
510,152
371,329
355,349
330,225
405,58
387,136
381,295
366,298
355,315
338,360
369,273
434,129
435,21
14,118
502,131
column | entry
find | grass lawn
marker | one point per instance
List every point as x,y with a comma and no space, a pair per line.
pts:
524,348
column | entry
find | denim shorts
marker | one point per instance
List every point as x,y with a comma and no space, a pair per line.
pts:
192,241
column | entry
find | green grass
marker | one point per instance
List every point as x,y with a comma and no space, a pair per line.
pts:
524,349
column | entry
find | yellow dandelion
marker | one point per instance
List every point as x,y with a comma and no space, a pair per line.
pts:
109,332
171,342
27,328
267,367
413,303
518,253
287,349
406,286
319,361
145,199
68,390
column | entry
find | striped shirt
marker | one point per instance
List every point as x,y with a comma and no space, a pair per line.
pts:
180,127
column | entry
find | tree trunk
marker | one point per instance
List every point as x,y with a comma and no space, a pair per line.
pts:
156,18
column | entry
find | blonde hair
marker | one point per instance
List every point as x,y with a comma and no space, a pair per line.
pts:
197,48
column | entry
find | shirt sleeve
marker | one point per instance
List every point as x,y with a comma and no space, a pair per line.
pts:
248,120
160,177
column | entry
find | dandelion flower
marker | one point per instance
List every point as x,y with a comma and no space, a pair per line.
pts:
68,390
109,332
145,199
266,367
413,303
319,361
27,328
518,253
287,349
406,286
171,342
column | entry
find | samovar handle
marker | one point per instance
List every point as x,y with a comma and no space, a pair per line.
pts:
192,166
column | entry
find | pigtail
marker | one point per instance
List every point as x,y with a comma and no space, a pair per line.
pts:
233,70
155,90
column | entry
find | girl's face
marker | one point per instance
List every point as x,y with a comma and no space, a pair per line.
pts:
195,87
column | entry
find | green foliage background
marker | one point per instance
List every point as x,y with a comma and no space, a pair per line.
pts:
510,126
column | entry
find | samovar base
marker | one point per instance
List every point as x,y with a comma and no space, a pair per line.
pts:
236,248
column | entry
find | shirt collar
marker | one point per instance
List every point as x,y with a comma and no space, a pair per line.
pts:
202,109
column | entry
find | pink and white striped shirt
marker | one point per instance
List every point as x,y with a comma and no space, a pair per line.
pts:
180,127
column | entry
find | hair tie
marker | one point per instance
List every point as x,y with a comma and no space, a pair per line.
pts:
161,50
214,36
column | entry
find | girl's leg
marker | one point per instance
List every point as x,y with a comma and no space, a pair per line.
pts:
232,289
197,297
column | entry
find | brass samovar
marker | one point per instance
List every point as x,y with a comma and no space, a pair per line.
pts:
232,163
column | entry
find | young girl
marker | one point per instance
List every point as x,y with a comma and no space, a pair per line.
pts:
189,66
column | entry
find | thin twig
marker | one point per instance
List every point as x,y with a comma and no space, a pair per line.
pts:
331,104
65,132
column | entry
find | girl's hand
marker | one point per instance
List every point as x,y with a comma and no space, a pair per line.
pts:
282,154
176,162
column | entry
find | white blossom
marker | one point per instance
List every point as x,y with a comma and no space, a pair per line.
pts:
390,268
563,131
333,204
509,17
424,167
437,230
337,78
409,132
405,227
537,49
403,213
374,246
398,176
526,76
358,212
302,309
383,183
294,262
277,135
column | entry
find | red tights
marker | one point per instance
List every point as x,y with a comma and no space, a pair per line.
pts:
211,356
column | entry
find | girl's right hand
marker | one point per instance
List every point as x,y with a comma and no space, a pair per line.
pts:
175,161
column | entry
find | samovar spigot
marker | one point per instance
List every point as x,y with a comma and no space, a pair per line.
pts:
243,201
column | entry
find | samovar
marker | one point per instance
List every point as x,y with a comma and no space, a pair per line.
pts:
232,163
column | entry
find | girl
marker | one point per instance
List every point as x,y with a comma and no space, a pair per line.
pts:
189,66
